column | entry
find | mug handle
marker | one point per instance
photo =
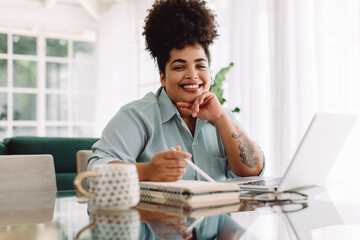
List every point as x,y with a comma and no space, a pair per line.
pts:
77,183
89,226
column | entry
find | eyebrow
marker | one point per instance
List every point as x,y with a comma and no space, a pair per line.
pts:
184,61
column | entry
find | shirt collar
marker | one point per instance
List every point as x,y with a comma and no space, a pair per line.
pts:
167,108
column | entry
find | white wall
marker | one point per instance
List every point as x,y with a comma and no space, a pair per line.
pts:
31,15
117,69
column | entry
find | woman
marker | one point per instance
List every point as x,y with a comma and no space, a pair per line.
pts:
183,113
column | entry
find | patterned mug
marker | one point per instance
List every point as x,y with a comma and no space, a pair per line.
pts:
111,185
104,224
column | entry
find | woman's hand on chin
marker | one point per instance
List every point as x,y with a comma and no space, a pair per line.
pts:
206,106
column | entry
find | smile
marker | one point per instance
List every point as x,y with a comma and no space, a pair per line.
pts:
192,86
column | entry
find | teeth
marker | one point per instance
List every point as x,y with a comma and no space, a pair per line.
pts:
190,86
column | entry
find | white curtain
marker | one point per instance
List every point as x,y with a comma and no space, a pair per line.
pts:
292,58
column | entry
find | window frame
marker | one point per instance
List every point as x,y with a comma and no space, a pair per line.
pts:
41,91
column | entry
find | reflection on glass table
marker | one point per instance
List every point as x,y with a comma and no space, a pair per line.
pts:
319,217
62,215
40,215
290,201
209,227
26,208
113,224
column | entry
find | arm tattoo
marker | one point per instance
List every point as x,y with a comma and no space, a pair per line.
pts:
234,135
247,151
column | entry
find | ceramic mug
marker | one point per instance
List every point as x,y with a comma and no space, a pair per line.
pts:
111,185
113,225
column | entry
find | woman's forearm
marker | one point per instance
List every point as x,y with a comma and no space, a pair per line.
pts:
244,156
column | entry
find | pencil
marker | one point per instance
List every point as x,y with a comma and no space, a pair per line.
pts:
196,168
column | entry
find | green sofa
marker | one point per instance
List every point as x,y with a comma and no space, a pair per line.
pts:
62,149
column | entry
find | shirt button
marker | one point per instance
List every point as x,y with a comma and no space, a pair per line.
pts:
194,144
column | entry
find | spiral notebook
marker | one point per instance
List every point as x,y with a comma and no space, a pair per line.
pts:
177,208
190,191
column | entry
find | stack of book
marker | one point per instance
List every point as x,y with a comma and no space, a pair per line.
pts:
189,197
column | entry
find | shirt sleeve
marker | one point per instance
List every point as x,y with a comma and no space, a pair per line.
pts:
123,139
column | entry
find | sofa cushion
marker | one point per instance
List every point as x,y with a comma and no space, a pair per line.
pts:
64,181
3,149
63,149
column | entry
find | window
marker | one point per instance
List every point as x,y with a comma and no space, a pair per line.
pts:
148,72
47,86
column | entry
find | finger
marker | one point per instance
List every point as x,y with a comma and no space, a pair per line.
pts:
170,174
174,163
204,98
186,236
175,172
200,101
186,107
170,178
188,110
178,148
176,154
195,108
196,104
181,219
184,104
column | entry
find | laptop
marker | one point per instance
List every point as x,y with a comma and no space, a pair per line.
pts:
313,158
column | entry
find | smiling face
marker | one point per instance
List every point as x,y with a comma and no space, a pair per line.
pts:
187,74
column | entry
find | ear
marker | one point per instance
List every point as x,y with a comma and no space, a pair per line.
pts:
162,79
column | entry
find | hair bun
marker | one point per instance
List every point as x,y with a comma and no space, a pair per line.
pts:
176,23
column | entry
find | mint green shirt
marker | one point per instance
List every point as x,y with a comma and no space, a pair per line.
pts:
153,124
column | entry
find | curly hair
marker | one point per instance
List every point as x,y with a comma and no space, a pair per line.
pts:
176,23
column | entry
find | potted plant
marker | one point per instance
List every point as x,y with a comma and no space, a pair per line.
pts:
217,88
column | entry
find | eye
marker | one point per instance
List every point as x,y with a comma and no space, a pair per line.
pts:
178,67
201,66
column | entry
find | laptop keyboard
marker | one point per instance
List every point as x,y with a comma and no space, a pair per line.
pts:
267,182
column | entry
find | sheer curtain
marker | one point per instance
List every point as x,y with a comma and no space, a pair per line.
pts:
292,58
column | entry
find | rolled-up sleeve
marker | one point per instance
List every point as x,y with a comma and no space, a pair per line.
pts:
122,140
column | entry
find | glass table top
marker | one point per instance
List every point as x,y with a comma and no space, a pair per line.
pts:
329,213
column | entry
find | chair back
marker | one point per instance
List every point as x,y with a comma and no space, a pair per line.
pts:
27,173
81,165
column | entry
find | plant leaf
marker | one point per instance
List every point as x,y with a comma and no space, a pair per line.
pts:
236,110
216,87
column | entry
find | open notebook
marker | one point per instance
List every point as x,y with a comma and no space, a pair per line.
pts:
313,159
190,191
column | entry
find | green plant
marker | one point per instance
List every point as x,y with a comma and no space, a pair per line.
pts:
217,88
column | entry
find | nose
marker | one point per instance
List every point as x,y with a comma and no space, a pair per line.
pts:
192,74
